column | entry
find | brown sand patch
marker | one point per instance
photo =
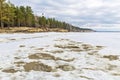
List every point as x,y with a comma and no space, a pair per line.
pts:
66,67
42,56
12,39
111,67
99,47
17,57
22,46
20,63
66,46
62,40
32,47
48,57
77,49
116,74
111,57
86,77
10,70
87,47
39,48
89,68
68,60
57,51
77,46
71,46
94,69
56,75
37,66
93,52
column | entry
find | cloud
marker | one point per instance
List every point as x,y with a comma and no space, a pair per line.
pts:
77,12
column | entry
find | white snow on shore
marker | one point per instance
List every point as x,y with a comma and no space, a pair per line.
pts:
60,56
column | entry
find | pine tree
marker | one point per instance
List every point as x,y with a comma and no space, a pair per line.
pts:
20,16
1,13
43,21
29,16
17,16
11,13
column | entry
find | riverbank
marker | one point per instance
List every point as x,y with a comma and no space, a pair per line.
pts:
30,30
36,30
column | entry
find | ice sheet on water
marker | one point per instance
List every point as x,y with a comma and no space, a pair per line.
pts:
89,62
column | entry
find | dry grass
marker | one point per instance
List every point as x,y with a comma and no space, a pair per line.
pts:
29,30
58,30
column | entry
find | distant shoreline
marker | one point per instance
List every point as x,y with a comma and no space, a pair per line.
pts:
108,31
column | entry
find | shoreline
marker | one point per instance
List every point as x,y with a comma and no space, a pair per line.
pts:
36,30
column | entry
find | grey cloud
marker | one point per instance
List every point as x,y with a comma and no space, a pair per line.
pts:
77,12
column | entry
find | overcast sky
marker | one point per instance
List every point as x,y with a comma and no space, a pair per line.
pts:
77,12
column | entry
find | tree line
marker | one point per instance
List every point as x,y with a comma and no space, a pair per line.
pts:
22,16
